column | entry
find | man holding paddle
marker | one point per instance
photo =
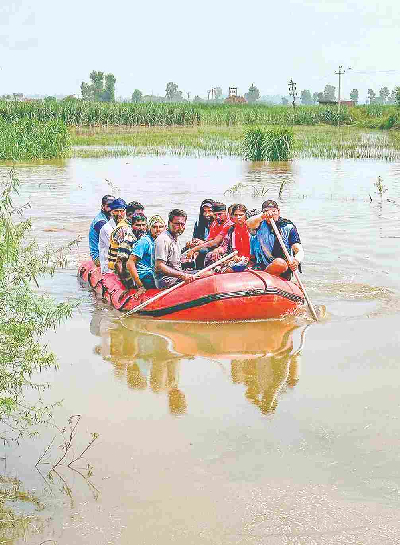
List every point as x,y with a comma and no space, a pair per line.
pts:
266,248
167,253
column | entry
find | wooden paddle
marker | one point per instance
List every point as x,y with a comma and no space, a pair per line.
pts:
164,292
296,274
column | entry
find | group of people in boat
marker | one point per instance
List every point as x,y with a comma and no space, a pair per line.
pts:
147,253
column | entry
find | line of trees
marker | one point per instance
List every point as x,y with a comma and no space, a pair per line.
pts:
385,96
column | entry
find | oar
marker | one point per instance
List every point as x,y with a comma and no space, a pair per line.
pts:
296,274
164,292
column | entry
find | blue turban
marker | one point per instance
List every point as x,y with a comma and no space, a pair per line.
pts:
118,204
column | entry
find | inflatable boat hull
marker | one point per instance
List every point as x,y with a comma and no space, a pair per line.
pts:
249,295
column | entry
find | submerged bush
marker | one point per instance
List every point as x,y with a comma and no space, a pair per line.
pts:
25,317
27,139
279,143
254,144
268,145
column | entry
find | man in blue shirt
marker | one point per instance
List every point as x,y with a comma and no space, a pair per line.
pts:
94,232
265,247
141,261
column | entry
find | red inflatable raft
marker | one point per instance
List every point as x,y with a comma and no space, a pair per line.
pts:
249,295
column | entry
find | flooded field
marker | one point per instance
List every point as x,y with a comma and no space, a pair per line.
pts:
281,432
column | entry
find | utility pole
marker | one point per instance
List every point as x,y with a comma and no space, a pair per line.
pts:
293,92
339,73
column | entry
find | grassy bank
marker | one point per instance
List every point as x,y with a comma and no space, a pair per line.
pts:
78,113
323,142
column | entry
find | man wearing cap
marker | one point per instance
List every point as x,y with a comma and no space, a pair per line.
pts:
117,211
265,247
95,227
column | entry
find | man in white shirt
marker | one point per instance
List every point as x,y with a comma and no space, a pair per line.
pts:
117,210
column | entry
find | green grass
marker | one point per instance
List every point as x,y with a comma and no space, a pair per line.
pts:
324,142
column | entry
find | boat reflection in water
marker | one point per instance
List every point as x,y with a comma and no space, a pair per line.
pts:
148,354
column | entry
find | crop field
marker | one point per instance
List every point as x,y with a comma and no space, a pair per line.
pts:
78,113
41,130
27,139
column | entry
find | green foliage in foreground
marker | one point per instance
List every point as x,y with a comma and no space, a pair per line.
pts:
28,139
274,144
25,317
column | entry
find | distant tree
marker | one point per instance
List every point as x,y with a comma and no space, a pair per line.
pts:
6,97
354,95
253,94
384,94
306,98
137,96
329,92
285,101
172,93
392,97
152,98
101,88
397,95
50,99
108,95
97,79
371,96
315,98
217,93
197,99
70,98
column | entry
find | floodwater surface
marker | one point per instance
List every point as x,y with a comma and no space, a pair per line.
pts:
279,432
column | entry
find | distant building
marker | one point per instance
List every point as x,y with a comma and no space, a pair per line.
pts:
233,97
349,103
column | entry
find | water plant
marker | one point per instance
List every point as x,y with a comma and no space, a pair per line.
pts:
274,144
279,143
255,144
381,188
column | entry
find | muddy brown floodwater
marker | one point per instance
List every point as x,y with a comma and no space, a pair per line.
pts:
228,434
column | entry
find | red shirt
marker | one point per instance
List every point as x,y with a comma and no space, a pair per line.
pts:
241,240
219,229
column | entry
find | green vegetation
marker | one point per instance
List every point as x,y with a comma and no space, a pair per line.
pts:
150,114
322,142
100,89
37,130
279,143
25,317
255,144
274,144
18,511
27,139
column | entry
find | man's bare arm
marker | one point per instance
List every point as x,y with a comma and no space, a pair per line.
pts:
254,221
162,267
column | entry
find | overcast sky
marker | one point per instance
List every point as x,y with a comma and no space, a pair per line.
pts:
51,47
